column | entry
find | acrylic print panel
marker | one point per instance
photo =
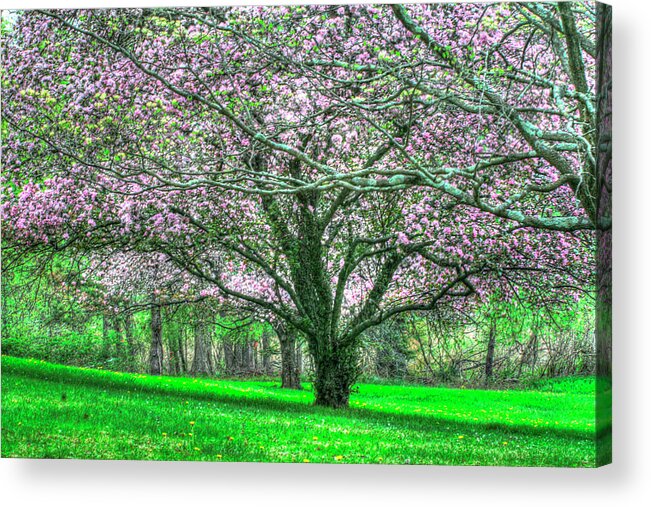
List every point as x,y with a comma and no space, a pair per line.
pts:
310,234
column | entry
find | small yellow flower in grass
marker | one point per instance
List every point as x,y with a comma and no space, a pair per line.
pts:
380,459
164,434
179,444
505,443
229,438
191,423
219,456
197,449
315,438
339,458
461,437
190,434
306,461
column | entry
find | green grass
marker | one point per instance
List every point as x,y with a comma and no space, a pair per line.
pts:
54,411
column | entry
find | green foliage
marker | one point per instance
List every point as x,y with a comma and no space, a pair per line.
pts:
70,348
534,339
41,321
237,329
583,385
82,413
390,343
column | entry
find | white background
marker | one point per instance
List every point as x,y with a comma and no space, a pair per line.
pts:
626,482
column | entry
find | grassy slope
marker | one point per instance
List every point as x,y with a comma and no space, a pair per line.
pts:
61,412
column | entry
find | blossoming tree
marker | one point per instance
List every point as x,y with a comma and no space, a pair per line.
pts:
331,166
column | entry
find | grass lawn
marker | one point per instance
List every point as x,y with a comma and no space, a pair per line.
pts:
53,411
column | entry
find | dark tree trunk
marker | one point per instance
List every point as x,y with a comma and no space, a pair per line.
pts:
202,345
229,356
336,372
604,192
490,354
290,378
288,372
249,359
238,357
177,366
256,363
156,349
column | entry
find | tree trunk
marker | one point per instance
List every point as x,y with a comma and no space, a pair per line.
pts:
131,345
238,357
603,328
266,354
229,356
156,349
490,354
172,347
336,372
290,378
202,344
288,372
248,354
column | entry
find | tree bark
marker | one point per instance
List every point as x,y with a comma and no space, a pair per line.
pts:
156,349
229,356
336,371
290,378
176,366
249,355
490,354
238,356
202,346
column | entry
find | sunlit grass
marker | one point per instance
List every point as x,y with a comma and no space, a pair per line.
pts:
53,411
